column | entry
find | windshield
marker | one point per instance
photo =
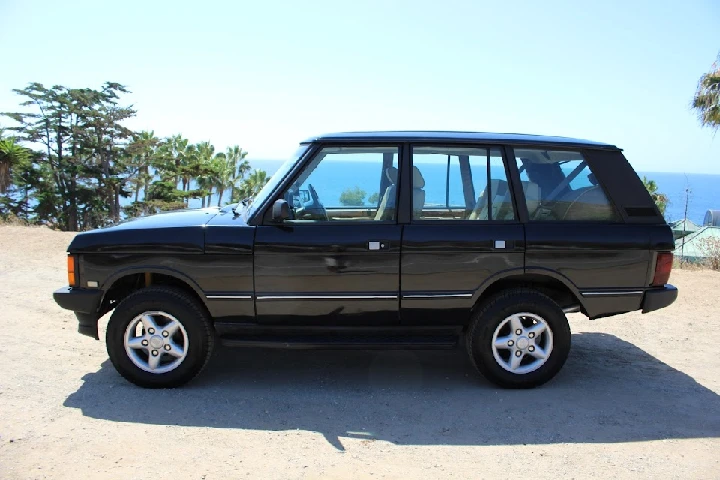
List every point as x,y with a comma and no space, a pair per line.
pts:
275,180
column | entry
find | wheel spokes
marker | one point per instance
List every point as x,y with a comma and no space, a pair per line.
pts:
149,324
504,342
515,359
516,323
538,353
171,327
175,350
154,359
163,345
136,343
522,349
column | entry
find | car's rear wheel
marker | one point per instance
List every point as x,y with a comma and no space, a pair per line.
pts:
519,338
159,337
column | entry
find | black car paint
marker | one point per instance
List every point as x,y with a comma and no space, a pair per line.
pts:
325,276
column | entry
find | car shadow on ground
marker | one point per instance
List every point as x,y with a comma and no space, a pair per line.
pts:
608,391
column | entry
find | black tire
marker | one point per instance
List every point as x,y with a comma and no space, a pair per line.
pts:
489,316
187,310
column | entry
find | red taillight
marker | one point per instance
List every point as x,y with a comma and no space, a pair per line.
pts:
663,267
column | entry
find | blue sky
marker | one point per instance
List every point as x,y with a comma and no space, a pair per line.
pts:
267,74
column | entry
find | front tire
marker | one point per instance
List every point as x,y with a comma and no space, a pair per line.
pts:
159,337
519,338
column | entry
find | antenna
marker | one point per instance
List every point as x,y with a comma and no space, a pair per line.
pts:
687,200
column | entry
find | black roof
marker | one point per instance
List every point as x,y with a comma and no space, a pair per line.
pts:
456,137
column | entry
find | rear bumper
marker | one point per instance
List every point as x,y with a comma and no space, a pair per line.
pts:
85,303
659,298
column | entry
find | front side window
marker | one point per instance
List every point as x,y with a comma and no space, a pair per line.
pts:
460,184
346,184
559,186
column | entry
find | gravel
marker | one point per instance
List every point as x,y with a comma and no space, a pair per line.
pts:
638,398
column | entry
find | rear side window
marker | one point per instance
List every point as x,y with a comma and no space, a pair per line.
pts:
451,183
559,186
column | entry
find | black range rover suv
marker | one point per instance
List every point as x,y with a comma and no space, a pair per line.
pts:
385,240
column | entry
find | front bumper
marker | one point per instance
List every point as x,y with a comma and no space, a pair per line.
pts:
85,303
659,298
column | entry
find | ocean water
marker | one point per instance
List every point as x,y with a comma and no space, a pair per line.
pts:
703,190
703,193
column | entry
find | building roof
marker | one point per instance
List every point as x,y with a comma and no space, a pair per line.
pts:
457,137
693,245
689,226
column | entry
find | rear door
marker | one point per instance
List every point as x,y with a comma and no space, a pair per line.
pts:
463,233
336,261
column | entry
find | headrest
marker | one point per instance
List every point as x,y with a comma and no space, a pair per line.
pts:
418,180
391,174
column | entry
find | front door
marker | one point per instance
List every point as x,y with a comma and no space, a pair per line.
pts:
336,261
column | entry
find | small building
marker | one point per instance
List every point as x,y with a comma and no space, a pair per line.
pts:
712,218
681,228
698,246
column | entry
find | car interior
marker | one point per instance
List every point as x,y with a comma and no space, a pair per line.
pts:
557,186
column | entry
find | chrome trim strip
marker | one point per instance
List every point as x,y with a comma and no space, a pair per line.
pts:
600,294
440,295
229,297
327,297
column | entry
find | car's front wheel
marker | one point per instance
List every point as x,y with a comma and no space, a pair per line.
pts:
159,337
519,338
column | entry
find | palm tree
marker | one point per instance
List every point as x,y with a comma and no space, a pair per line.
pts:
174,155
11,155
223,173
253,184
707,97
143,149
236,159
201,169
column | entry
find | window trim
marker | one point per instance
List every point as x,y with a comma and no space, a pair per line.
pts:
520,195
316,148
488,147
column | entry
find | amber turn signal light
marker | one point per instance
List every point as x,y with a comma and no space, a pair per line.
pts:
71,270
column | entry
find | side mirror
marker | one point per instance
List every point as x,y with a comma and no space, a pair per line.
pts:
280,211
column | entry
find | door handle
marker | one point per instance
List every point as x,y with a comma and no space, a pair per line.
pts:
377,245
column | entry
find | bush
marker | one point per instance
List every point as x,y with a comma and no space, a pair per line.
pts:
711,248
12,219
352,197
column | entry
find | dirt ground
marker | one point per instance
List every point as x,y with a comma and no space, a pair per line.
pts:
638,398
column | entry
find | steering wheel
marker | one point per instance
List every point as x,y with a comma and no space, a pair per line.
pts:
314,208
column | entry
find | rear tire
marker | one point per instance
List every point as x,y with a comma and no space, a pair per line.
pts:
519,338
159,337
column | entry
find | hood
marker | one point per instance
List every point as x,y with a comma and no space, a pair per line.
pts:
180,231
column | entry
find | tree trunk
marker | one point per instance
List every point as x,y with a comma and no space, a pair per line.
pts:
220,192
116,218
203,201
72,213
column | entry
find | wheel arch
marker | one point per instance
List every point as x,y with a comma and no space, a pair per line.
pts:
551,283
123,282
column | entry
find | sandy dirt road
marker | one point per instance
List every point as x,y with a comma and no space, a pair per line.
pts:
638,398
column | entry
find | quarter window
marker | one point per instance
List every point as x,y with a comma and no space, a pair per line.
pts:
460,184
346,184
559,186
